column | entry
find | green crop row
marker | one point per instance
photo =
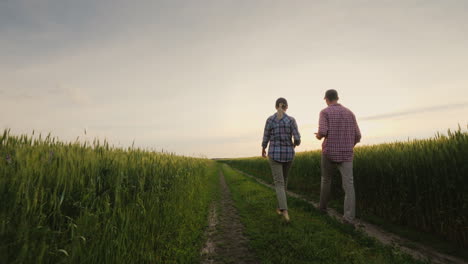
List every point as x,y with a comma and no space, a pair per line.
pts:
92,203
421,184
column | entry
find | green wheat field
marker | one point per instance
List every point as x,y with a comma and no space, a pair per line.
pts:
93,203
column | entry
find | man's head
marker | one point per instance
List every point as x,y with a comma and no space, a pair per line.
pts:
281,103
331,96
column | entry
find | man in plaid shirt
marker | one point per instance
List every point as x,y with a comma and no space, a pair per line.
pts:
338,127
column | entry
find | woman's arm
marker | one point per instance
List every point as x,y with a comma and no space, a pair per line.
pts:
295,133
266,137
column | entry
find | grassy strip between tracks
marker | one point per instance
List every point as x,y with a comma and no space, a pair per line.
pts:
309,238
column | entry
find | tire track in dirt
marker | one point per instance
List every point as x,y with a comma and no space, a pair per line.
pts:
226,242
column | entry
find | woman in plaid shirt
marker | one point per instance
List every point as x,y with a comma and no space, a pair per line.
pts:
280,128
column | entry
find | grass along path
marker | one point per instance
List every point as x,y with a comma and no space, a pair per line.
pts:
226,242
412,248
309,238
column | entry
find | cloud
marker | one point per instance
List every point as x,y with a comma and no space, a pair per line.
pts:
416,111
20,95
70,95
56,95
78,96
126,127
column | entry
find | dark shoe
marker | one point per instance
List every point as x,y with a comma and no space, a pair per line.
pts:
348,223
359,224
323,211
278,211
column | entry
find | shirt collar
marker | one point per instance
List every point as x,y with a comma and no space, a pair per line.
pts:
284,116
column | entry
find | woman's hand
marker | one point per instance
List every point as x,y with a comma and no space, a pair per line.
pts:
264,153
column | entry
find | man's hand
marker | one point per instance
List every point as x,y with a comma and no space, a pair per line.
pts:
264,153
317,135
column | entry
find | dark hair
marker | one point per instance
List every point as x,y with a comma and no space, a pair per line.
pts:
331,95
281,100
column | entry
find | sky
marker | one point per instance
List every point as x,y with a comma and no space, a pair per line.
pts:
200,78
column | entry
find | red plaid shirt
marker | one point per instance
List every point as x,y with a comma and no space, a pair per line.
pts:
337,124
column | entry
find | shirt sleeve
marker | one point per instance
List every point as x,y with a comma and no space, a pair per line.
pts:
295,133
266,134
323,124
357,138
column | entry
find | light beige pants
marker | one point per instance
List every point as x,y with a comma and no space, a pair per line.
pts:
280,171
346,171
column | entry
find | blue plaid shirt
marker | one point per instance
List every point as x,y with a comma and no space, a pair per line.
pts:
279,133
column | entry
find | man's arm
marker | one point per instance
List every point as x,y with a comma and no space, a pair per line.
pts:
295,133
323,125
357,132
266,137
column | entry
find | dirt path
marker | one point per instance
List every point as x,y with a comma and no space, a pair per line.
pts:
416,250
226,242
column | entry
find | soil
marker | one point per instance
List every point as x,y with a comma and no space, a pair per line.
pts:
226,242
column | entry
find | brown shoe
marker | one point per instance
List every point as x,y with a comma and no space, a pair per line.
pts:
278,211
286,216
